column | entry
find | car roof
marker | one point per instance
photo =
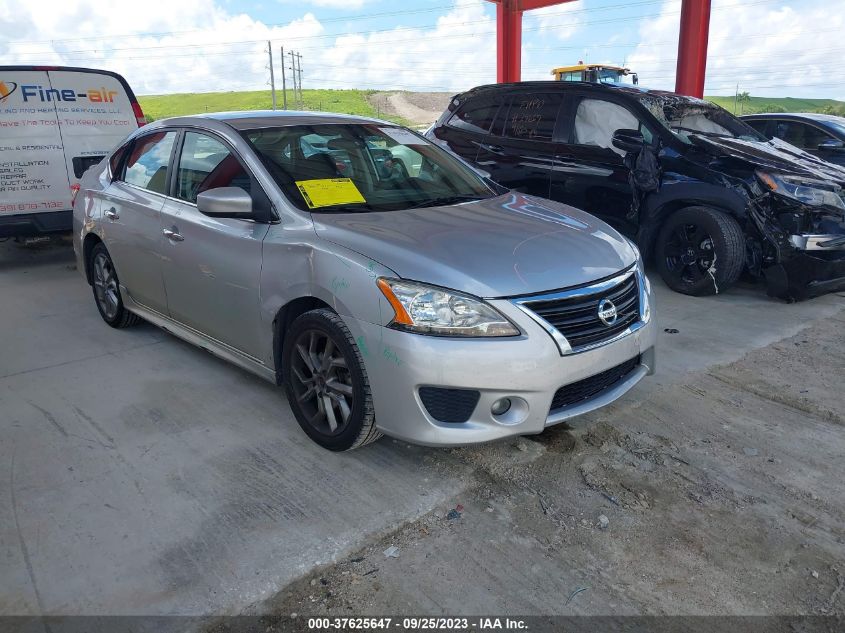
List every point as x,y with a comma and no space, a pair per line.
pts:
252,119
812,116
638,92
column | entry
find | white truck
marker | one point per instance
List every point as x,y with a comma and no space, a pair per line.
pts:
55,123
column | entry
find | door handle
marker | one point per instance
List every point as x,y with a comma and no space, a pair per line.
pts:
173,235
112,214
494,149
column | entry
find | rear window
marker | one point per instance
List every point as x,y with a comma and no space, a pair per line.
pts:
146,166
475,116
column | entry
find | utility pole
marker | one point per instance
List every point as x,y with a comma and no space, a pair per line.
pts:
299,70
272,78
736,97
293,74
284,85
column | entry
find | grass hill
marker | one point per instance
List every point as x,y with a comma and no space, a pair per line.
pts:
781,104
343,101
359,102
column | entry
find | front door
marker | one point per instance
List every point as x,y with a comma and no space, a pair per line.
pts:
590,173
211,265
131,209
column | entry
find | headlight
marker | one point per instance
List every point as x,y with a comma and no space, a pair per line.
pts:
815,193
431,310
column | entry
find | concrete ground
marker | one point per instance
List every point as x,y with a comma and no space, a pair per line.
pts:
144,476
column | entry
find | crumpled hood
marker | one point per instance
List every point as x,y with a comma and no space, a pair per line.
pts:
508,245
776,155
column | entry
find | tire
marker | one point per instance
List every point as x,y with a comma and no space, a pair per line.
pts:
106,289
700,251
330,396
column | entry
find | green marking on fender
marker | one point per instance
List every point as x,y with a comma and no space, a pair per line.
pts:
362,345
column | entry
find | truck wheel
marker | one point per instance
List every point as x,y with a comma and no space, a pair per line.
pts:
700,251
326,383
107,290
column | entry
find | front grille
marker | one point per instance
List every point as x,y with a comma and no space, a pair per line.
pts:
577,318
449,405
592,386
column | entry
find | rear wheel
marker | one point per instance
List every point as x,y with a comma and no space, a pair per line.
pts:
326,383
107,290
700,251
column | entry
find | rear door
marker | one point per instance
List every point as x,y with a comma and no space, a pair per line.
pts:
33,172
131,217
519,153
212,266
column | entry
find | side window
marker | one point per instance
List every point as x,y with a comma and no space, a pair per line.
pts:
116,161
146,165
800,135
207,163
476,115
533,116
758,125
596,120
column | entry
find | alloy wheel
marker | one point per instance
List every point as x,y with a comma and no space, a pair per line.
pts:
689,253
322,382
105,286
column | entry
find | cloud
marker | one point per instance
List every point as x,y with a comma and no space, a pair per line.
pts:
560,21
198,46
781,50
333,4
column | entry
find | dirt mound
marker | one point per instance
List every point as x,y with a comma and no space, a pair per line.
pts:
420,108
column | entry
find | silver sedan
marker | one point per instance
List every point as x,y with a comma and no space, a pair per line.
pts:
388,286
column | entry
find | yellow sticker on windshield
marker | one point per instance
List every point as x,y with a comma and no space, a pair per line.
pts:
329,192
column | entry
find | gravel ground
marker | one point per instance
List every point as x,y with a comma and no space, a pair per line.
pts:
719,494
421,108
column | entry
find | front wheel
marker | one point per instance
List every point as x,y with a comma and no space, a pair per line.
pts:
700,251
326,383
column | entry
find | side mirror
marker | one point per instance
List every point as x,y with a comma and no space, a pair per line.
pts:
628,140
225,202
831,145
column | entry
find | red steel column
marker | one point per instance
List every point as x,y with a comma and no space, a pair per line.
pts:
692,47
508,41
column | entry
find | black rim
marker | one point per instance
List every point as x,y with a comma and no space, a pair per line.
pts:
689,253
322,383
105,286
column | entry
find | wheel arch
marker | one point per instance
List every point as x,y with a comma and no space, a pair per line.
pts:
88,244
661,206
284,317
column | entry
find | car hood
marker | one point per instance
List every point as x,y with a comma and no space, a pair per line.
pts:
509,245
775,155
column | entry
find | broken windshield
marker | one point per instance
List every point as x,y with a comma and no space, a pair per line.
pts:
687,116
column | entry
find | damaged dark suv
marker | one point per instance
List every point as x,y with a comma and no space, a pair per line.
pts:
702,193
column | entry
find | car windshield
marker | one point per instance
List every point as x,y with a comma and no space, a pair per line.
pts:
361,168
686,116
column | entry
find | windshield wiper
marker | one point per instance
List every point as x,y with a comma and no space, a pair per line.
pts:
446,200
358,207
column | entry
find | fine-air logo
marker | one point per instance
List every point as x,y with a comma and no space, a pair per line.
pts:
34,92
7,88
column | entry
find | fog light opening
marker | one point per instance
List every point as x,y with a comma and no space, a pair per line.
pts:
501,406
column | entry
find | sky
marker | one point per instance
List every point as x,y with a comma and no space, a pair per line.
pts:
770,48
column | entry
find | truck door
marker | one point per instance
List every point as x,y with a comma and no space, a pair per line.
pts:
33,174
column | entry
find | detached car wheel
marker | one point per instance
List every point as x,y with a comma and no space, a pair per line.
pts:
107,290
700,251
326,383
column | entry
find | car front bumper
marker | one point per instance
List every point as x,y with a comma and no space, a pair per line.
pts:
527,369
